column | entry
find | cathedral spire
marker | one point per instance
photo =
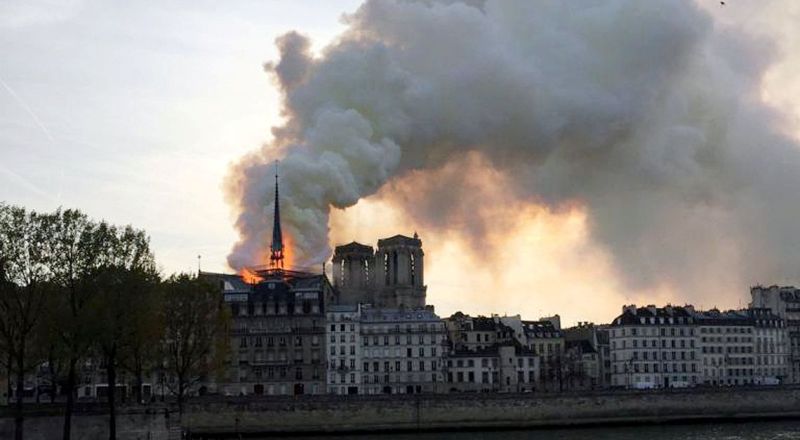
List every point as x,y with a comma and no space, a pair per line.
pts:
276,248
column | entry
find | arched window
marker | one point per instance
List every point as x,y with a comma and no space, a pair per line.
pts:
386,268
394,266
413,270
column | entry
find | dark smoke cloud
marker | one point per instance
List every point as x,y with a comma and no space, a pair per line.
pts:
644,113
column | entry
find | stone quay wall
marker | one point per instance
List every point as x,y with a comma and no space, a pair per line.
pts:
484,411
213,416
90,422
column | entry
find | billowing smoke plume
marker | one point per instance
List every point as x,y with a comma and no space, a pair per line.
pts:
642,112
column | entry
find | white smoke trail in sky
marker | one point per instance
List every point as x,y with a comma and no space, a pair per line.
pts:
28,110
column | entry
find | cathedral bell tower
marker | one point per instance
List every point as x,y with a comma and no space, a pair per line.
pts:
354,272
400,282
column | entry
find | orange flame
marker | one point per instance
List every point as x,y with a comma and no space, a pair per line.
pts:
288,261
250,277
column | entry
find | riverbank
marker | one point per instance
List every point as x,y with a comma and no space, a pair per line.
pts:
220,417
485,411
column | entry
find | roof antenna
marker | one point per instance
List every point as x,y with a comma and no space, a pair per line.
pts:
199,257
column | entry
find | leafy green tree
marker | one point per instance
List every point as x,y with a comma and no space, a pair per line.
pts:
23,285
194,341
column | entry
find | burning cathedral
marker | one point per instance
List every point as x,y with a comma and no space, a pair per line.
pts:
280,314
389,277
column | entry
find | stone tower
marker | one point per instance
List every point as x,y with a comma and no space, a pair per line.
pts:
399,282
353,273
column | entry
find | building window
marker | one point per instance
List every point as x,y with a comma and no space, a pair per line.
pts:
413,270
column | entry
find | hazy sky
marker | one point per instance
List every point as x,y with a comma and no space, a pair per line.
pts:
133,112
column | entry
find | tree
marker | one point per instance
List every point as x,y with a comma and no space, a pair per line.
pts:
77,248
195,341
23,284
140,352
126,271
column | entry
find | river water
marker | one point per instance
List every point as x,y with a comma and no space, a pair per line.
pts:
773,430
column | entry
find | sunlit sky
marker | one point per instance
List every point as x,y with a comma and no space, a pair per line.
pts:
133,111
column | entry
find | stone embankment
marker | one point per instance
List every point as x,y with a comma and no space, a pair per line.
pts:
487,411
227,417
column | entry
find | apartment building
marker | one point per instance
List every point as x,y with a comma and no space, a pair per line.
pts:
278,332
783,301
655,347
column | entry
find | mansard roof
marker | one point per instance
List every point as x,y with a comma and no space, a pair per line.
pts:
270,289
716,317
540,329
581,345
228,283
641,315
491,350
484,324
398,315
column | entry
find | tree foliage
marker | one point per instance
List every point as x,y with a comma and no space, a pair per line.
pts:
23,282
194,341
72,289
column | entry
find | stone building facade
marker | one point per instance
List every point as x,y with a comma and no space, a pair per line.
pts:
384,351
403,351
390,276
486,355
476,333
784,301
678,347
278,333
545,338
501,367
580,365
586,356
771,347
655,347
345,349
726,341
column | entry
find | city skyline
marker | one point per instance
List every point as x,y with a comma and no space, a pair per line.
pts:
141,126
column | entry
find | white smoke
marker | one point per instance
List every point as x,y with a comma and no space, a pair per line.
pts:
644,113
